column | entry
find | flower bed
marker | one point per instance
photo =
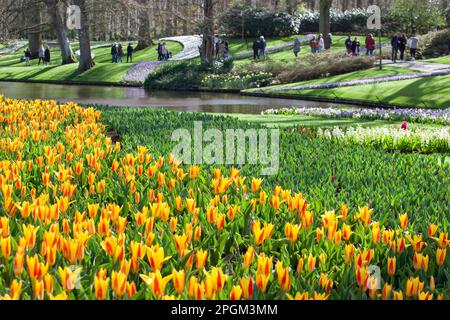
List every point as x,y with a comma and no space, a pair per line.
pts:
411,115
83,220
241,80
420,140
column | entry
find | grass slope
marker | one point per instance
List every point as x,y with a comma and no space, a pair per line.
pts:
104,70
430,92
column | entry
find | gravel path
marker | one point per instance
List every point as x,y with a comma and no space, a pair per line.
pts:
191,45
13,48
427,69
139,72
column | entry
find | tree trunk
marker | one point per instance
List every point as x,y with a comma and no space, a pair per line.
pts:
86,61
58,26
144,39
207,48
324,25
34,34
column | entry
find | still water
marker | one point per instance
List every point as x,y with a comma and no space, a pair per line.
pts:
138,97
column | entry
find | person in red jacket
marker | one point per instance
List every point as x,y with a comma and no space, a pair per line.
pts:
370,45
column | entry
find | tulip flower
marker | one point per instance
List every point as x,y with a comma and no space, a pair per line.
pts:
131,289
425,296
413,287
179,280
311,263
101,286
392,262
15,289
349,251
248,257
5,244
69,278
284,278
219,279
236,293
432,230
156,257
387,290
256,184
403,218
291,232
36,269
398,295
157,283
200,259
443,241
247,287
440,256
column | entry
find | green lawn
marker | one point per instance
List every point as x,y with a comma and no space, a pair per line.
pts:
360,74
443,60
104,70
290,121
430,92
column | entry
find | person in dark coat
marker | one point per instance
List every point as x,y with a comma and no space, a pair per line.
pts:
328,40
402,41
256,46
119,53
47,55
159,49
262,47
395,47
370,44
130,51
348,44
356,45
448,44
28,57
114,53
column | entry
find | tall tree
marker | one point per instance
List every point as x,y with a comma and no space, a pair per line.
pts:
144,39
86,61
207,48
324,25
33,15
57,23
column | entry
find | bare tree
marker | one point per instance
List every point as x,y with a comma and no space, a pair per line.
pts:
86,61
324,25
207,48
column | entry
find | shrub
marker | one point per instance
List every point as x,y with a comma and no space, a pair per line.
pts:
434,44
311,67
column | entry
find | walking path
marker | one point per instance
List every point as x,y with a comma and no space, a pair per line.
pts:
427,69
13,48
139,72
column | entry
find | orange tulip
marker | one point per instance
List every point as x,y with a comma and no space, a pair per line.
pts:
179,280
236,293
200,259
247,287
392,262
403,218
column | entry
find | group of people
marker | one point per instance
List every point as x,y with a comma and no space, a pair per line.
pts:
260,48
163,52
221,49
353,46
399,44
43,54
318,44
117,53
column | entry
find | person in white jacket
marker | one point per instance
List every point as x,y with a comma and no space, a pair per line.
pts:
413,46
41,54
321,43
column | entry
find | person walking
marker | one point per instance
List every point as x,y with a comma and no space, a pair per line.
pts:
395,45
130,51
402,41
348,45
217,48
313,44
159,49
41,55
119,53
370,45
328,41
114,53
262,48
321,43
28,57
256,46
47,55
164,52
448,44
413,46
297,47
356,45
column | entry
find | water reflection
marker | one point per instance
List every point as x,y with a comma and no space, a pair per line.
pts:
137,97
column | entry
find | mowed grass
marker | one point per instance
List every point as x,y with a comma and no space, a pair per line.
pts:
356,75
104,70
303,121
429,92
443,60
